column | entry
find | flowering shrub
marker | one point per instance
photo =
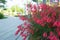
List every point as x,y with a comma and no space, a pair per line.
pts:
44,23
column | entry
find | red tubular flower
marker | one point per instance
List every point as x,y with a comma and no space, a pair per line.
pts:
59,33
51,33
19,29
20,26
39,6
23,18
53,37
49,20
17,32
57,23
44,34
25,36
33,10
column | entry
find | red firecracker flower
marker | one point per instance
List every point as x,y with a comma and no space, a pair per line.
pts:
44,18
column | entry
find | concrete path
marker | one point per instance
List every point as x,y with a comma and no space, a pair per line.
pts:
8,28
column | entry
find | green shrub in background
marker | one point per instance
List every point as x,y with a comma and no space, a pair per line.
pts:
1,16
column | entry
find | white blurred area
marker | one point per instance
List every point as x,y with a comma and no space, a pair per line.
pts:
20,3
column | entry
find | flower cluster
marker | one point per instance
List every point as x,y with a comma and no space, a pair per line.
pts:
44,22
24,29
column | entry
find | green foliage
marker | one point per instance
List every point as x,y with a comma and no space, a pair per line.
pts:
40,30
2,1
1,16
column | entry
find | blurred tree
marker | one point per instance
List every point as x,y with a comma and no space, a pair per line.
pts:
35,1
16,8
2,2
44,1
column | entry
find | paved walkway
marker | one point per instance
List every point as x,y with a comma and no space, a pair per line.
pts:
8,28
